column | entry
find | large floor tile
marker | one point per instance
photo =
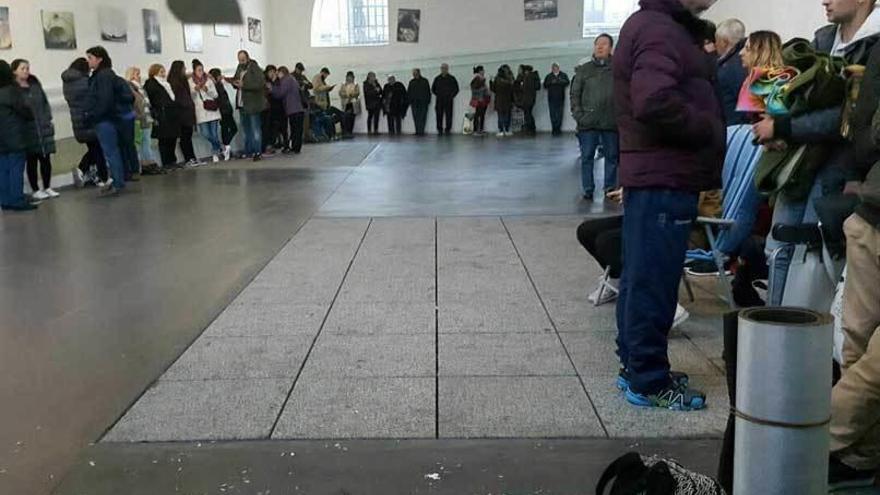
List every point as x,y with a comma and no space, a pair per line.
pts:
518,315
381,318
503,354
372,356
262,320
241,358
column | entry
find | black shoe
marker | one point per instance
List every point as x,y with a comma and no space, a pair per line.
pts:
21,207
258,158
588,196
843,477
703,268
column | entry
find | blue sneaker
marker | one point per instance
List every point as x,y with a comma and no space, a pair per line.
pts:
623,379
674,397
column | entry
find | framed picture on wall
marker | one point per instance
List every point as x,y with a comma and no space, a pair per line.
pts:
223,30
59,30
409,22
536,10
113,23
255,30
5,32
152,31
193,38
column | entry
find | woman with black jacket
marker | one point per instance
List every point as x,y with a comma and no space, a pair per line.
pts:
396,105
228,127
44,144
373,99
166,123
109,95
16,120
75,84
186,108
502,86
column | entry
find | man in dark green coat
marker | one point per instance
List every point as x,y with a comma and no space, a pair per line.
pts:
592,105
250,101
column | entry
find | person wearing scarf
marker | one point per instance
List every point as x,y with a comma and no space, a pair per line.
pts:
166,124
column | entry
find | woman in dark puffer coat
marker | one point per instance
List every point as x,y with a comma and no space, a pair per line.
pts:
75,83
16,121
44,143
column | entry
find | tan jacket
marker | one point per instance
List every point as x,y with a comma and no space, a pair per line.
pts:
350,93
321,91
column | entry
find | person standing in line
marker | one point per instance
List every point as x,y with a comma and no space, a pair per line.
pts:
730,39
419,92
16,120
106,104
526,88
350,99
166,123
556,83
75,85
673,141
299,72
42,149
445,89
374,99
290,94
204,95
187,110
143,128
273,118
250,101
396,104
322,89
592,106
502,86
228,127
480,99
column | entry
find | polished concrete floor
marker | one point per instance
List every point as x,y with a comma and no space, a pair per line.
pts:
412,307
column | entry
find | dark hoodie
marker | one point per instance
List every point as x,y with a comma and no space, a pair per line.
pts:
16,120
43,128
672,133
76,92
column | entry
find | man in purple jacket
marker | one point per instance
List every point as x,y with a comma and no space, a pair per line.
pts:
672,144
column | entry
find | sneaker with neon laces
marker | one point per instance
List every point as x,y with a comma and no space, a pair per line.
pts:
677,378
675,397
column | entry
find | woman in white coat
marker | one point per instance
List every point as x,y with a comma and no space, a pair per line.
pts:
204,95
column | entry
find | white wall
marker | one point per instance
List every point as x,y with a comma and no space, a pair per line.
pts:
27,42
789,18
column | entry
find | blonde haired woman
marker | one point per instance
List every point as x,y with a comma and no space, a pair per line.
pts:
142,123
166,121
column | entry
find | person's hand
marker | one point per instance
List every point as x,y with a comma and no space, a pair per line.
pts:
236,83
853,188
615,195
763,130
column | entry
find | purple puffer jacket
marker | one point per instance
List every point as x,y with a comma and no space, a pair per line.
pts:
288,91
671,124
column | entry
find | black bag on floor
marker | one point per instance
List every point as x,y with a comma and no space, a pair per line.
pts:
634,474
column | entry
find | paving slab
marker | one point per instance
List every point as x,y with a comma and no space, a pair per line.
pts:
580,315
241,358
503,354
626,421
381,318
372,356
202,410
519,315
262,320
515,407
335,408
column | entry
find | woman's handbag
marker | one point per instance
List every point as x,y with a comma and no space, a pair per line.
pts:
210,104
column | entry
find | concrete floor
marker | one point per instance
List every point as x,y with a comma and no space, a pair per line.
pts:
363,290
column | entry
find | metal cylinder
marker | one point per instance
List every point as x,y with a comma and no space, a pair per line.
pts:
783,402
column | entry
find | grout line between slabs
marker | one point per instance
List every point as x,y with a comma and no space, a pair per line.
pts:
436,330
555,329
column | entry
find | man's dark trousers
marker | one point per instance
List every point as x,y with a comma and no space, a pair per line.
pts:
444,111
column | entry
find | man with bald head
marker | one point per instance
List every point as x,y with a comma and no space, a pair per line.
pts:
445,88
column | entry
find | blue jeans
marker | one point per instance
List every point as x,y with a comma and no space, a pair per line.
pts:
589,142
12,179
829,180
108,136
656,227
211,132
504,121
144,143
252,127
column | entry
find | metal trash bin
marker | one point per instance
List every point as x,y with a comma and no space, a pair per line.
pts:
783,395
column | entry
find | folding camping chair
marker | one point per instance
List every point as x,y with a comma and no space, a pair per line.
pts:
740,206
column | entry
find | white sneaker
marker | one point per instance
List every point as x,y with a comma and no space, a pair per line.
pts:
607,294
106,185
41,195
215,159
500,134
193,163
79,179
52,193
681,316
227,152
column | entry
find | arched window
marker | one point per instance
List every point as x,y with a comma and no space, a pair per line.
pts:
606,16
349,23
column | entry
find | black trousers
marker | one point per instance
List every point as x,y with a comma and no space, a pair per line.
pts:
168,151
420,117
394,124
529,119
228,128
45,163
480,119
297,122
603,239
186,143
373,121
348,123
278,127
94,156
444,115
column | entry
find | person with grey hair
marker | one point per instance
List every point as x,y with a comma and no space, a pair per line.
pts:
730,39
556,83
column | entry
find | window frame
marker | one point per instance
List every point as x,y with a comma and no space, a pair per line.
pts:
362,23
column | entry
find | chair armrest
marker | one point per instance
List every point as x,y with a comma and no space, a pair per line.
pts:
720,222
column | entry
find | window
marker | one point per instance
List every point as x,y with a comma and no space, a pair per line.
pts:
606,16
350,23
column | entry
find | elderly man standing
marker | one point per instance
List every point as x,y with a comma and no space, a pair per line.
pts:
730,39
445,88
672,142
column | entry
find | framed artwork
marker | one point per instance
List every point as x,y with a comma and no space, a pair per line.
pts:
193,38
59,30
152,31
223,30
409,22
535,10
255,30
113,23
5,32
